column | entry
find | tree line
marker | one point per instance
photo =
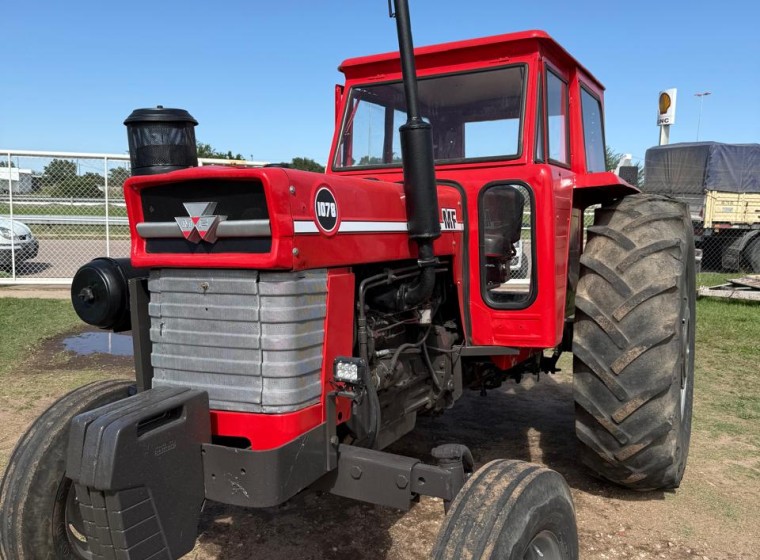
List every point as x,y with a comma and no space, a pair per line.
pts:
62,177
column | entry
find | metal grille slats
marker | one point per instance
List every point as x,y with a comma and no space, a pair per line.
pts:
253,340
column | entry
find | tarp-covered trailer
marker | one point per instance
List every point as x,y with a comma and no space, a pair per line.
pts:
721,184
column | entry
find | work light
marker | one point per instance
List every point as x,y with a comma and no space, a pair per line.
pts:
349,370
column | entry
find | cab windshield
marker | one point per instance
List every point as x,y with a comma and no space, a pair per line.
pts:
474,115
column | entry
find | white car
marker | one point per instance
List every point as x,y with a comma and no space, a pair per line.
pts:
520,263
18,237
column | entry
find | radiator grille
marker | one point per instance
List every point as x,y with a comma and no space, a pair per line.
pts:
253,340
236,200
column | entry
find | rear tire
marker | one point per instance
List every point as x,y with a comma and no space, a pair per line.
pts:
633,342
753,255
510,510
39,515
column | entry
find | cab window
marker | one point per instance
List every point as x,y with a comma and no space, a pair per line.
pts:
556,105
474,115
540,124
506,245
593,132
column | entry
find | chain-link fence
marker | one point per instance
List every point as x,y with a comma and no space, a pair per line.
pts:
58,210
719,182
728,252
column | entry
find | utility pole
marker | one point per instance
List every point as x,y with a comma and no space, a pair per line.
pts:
701,102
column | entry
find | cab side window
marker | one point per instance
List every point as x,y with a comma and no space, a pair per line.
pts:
593,132
556,105
506,244
540,143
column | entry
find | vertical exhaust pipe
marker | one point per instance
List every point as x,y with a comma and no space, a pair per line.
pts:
420,187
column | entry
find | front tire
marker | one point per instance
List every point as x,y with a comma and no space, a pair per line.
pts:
39,515
510,510
633,342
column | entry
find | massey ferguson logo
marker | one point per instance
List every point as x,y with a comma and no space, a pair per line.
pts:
449,216
326,210
202,223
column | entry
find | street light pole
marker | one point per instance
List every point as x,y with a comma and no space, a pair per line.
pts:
701,101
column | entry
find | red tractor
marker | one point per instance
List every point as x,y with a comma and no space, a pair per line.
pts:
288,326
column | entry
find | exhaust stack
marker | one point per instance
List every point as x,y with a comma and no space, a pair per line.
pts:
419,170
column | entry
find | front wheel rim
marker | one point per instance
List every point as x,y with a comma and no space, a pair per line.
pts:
686,326
75,524
685,372
544,546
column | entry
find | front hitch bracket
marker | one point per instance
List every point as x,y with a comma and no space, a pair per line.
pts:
393,480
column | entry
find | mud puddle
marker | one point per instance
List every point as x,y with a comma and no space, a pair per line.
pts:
89,343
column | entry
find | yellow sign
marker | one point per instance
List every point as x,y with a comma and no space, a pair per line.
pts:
667,107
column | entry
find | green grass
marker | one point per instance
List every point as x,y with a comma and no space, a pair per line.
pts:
24,323
729,328
727,384
716,278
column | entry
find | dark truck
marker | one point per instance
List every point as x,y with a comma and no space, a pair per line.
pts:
721,184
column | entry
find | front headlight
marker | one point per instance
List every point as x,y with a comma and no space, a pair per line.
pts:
5,232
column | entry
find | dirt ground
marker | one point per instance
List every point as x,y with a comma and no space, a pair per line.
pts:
47,291
714,515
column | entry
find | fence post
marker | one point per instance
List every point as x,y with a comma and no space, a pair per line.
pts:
108,225
10,214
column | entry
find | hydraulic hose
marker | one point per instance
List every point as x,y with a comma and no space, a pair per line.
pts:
375,419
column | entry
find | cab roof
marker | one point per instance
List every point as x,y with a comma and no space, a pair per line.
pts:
470,52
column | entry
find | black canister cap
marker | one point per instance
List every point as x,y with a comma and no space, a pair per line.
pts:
160,114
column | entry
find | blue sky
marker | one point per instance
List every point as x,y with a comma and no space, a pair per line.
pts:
259,76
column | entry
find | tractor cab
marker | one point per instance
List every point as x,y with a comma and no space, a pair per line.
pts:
513,99
517,128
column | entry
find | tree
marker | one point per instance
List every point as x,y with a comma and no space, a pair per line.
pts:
89,185
60,169
371,160
307,164
612,159
117,176
61,179
57,174
4,163
208,151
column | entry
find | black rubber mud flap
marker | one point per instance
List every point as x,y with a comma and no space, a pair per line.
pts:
138,471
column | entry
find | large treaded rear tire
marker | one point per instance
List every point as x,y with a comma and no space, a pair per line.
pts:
753,255
633,342
36,498
510,510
